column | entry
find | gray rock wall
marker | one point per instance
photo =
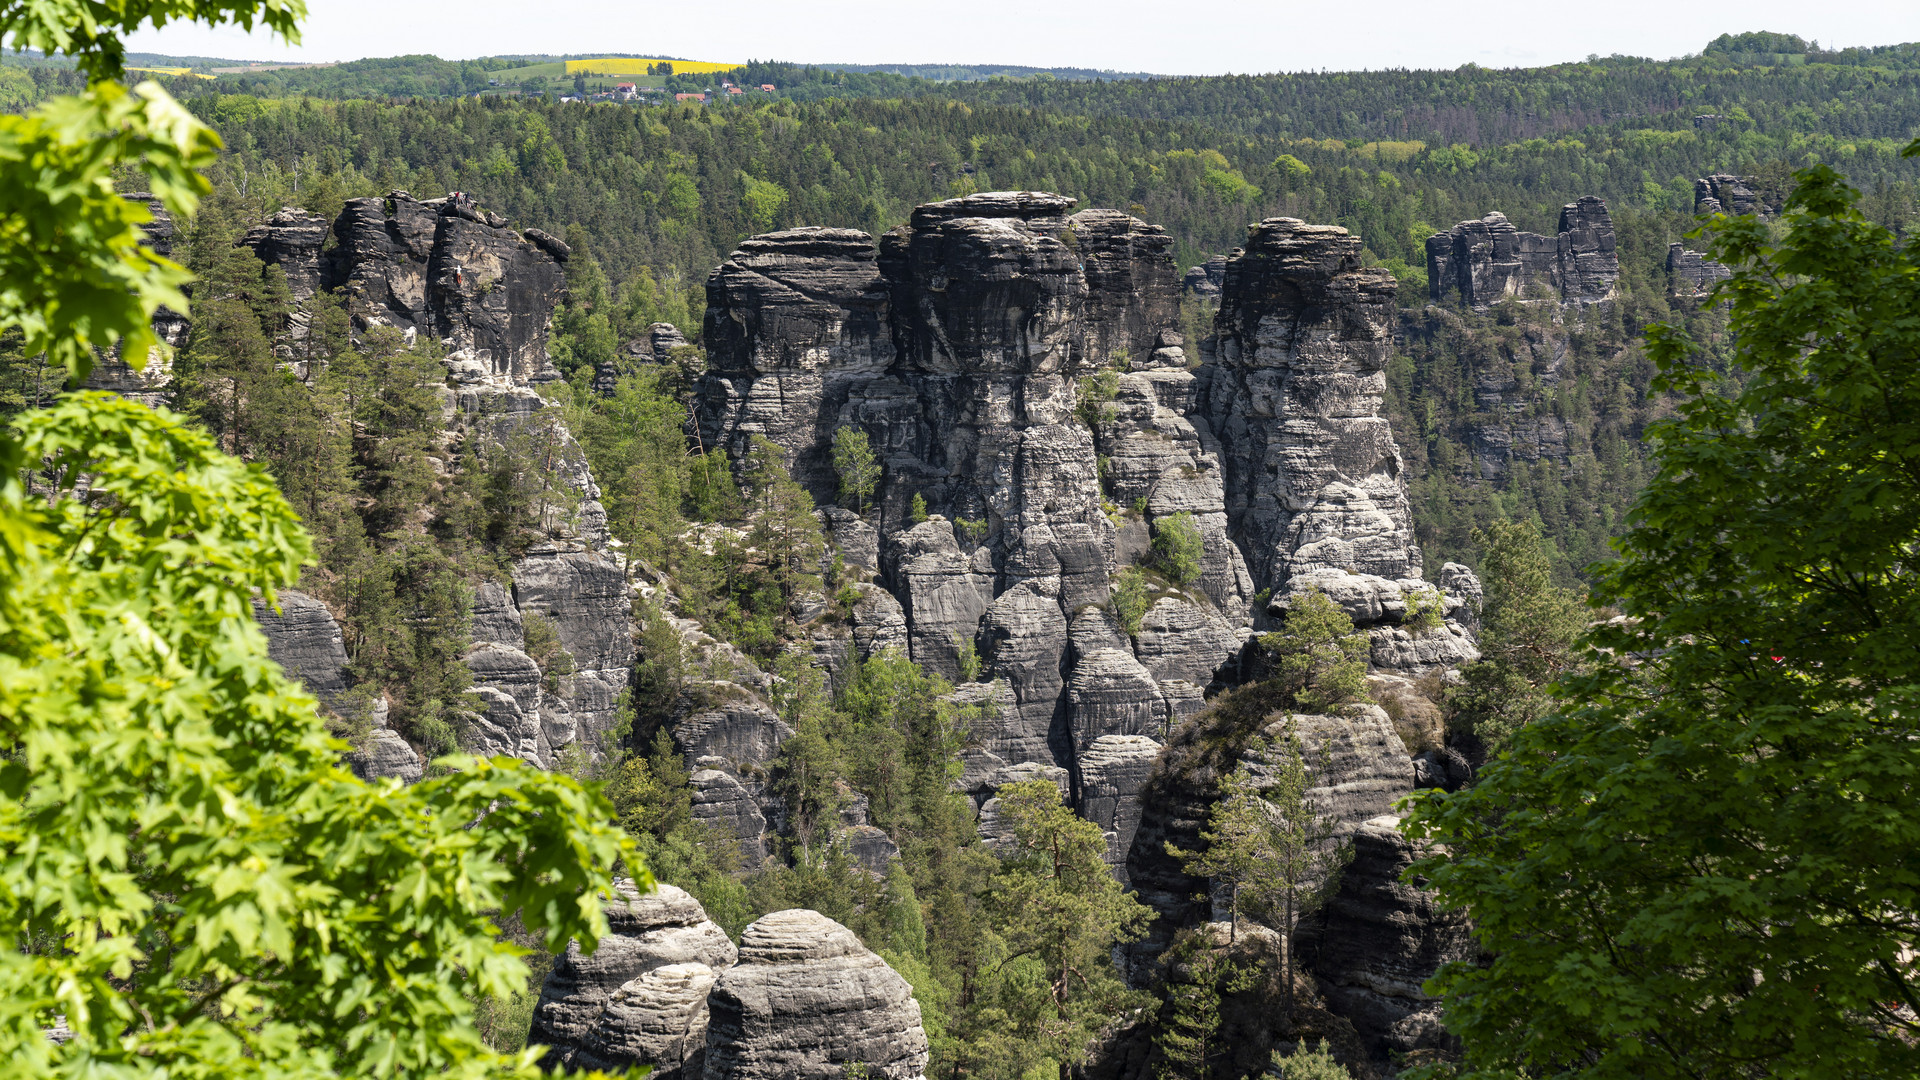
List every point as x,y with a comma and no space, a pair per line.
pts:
970,346
1490,260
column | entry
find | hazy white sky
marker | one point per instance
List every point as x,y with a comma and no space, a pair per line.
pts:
1163,36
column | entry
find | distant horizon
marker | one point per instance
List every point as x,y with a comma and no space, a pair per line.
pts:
137,58
1229,37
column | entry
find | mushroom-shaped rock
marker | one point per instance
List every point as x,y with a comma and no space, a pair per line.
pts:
648,932
807,1001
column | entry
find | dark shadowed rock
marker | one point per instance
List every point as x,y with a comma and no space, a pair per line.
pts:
808,1002
292,240
439,268
1378,940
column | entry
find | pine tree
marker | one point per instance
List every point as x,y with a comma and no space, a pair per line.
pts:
784,528
1317,659
1527,629
859,469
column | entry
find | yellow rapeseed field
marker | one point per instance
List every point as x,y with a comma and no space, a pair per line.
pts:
627,65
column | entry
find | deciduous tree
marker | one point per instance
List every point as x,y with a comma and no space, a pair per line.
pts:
1703,864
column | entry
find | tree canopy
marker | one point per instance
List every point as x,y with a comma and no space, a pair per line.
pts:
1705,862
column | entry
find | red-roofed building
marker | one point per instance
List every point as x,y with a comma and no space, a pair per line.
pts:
689,97
767,86
625,91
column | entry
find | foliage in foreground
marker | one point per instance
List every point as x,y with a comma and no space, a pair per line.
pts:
192,885
200,887
1754,716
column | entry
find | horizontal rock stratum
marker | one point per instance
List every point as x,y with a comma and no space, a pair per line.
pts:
801,999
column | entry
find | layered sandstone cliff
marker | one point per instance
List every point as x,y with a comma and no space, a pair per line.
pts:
1490,260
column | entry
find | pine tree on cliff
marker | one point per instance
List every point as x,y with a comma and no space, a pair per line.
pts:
784,528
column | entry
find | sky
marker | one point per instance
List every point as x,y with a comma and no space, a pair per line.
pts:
1161,36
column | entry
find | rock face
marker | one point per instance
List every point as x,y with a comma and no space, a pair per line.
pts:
1489,260
642,991
444,268
304,639
807,1001
1690,274
1378,940
1724,194
981,348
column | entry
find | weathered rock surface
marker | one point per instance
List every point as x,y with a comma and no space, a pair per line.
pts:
1113,772
586,596
1313,478
721,800
442,267
662,929
1381,938
658,1018
307,643
807,1001
974,346
1724,194
1690,274
304,639
1490,260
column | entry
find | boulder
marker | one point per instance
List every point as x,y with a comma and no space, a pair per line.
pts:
807,1001
657,1018
646,932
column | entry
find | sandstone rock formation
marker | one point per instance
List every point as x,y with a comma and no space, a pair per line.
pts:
807,1001
582,1007
303,638
980,347
1690,274
1724,194
1489,260
1204,281
448,270
443,268
1378,940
